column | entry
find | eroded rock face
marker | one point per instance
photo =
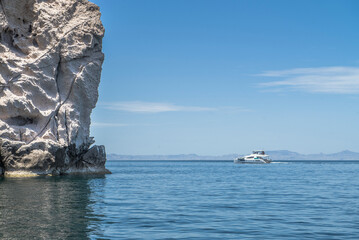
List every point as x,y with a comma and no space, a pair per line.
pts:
50,68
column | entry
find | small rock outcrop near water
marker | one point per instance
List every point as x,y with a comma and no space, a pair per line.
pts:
50,69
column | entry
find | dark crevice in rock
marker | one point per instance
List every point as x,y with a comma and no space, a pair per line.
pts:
57,128
34,42
20,135
66,127
20,121
58,69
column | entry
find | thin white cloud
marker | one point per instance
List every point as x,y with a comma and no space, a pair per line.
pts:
234,109
340,80
152,107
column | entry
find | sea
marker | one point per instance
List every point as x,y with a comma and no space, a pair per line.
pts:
187,200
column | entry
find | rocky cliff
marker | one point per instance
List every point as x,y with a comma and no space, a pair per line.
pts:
50,68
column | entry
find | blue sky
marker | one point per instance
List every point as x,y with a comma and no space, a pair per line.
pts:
216,77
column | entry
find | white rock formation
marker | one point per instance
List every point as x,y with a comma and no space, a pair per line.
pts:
50,69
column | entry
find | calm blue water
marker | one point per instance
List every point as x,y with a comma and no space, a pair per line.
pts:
187,200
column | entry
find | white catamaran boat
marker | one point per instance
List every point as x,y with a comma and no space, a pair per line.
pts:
255,157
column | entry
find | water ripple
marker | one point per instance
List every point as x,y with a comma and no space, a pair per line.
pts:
187,200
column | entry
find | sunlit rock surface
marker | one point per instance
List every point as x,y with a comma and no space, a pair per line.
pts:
50,69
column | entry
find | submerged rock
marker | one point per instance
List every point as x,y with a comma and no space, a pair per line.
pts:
50,69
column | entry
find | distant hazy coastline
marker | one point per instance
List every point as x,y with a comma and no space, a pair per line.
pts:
275,155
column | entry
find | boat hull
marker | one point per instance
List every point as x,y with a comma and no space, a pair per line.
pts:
254,161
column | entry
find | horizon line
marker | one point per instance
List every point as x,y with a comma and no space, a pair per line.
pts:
218,155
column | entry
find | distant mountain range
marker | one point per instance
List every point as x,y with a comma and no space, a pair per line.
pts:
275,155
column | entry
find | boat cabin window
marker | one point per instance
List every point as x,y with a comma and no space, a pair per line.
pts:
259,152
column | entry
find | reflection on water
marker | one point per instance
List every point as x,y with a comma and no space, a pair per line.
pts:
49,207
